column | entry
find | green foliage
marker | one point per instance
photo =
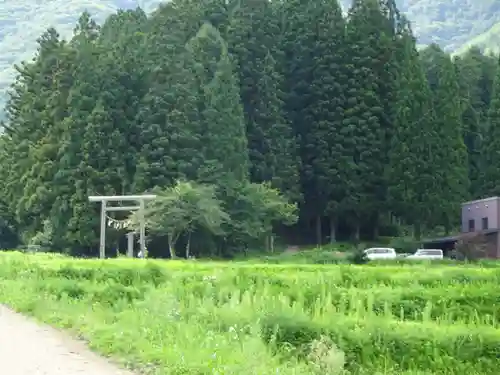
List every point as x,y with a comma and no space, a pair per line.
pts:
181,209
188,207
490,152
413,146
44,238
254,209
405,245
370,36
9,236
434,22
450,156
326,146
394,319
316,256
453,24
249,99
254,37
476,75
358,257
223,151
487,40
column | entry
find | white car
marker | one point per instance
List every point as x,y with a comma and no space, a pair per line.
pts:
376,253
426,254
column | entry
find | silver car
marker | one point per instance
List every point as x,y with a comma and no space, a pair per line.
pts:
426,254
376,253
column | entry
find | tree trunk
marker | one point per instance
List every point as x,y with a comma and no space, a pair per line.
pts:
376,220
417,231
271,242
319,234
357,230
447,228
188,245
171,244
333,230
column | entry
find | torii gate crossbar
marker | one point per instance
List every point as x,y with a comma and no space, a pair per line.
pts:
122,198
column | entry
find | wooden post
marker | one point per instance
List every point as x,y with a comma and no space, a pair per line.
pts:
130,244
142,223
102,242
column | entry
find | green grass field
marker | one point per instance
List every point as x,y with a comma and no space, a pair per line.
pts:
205,318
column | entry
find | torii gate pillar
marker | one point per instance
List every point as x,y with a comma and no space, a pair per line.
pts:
122,198
130,244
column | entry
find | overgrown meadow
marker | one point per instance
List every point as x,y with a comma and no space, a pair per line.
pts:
258,319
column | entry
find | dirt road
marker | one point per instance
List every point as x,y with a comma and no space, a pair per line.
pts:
27,348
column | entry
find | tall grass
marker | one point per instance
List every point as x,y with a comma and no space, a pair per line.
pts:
259,319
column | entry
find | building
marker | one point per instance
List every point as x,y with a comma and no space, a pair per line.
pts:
480,218
480,215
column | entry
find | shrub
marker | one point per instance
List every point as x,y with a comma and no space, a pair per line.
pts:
358,257
405,244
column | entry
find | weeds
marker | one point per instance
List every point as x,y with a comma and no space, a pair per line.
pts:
258,319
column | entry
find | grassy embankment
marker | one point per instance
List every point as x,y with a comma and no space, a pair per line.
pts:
257,319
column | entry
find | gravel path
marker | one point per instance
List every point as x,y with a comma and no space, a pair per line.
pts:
27,348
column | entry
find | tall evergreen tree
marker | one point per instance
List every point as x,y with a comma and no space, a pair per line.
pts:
168,111
411,165
124,68
223,137
36,106
170,132
368,53
297,66
72,169
327,146
253,37
315,82
476,74
374,31
452,182
490,177
473,135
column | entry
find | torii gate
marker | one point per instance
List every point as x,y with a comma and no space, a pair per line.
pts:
122,198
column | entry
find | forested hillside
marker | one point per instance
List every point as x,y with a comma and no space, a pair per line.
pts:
347,120
453,24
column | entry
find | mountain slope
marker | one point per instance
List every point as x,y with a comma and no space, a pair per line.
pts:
451,23
488,41
23,21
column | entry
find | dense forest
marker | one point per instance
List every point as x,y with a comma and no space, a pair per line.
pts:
339,113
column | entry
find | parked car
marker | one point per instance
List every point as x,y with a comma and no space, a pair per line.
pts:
426,254
376,253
